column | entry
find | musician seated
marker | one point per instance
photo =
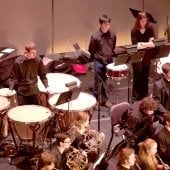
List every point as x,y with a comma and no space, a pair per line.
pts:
74,159
142,117
148,158
46,161
163,140
63,142
86,138
126,159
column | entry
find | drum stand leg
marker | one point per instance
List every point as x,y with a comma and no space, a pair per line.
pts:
117,91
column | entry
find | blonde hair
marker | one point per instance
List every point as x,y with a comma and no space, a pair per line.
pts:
81,118
146,158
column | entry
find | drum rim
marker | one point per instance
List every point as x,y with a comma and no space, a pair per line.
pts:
73,110
44,120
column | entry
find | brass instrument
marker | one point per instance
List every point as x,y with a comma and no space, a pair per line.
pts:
77,160
92,140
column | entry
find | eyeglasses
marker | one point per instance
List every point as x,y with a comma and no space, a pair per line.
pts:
67,141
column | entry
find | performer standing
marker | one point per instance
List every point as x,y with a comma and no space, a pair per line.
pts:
143,35
24,76
101,48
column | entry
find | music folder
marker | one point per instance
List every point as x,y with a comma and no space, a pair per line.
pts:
68,96
136,57
121,59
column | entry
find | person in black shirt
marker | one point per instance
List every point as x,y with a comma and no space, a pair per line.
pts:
24,76
161,90
101,48
142,34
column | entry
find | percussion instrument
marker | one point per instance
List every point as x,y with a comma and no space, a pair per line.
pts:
116,72
12,97
30,122
66,113
57,83
4,103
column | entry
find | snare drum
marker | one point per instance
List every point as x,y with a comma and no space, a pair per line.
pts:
65,118
57,83
161,62
30,122
12,97
116,72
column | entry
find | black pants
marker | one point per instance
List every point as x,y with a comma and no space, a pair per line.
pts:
140,81
26,100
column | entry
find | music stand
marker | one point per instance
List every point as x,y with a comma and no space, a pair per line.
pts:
163,51
68,96
121,59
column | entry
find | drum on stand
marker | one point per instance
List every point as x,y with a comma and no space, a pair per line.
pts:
12,97
116,72
57,83
66,113
30,123
4,106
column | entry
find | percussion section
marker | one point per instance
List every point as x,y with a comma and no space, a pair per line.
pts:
66,113
30,122
12,96
4,103
116,72
58,82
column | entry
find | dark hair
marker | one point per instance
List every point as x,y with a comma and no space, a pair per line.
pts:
148,103
60,137
166,68
139,17
104,18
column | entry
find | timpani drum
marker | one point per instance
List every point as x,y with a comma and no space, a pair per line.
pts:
161,62
4,103
116,72
30,122
57,83
12,97
66,113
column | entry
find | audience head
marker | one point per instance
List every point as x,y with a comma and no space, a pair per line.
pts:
126,157
30,50
166,71
142,20
74,159
147,153
148,105
46,161
104,21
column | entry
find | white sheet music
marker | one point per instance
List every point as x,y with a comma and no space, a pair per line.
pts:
8,50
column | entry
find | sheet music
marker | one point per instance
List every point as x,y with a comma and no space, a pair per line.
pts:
8,50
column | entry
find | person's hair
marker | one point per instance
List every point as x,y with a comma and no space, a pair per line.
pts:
124,155
74,159
30,46
166,68
141,15
81,118
61,137
146,158
148,103
45,159
104,18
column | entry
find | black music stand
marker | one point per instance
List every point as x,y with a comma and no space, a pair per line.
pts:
121,59
68,96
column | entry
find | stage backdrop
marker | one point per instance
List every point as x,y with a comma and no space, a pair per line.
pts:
70,20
